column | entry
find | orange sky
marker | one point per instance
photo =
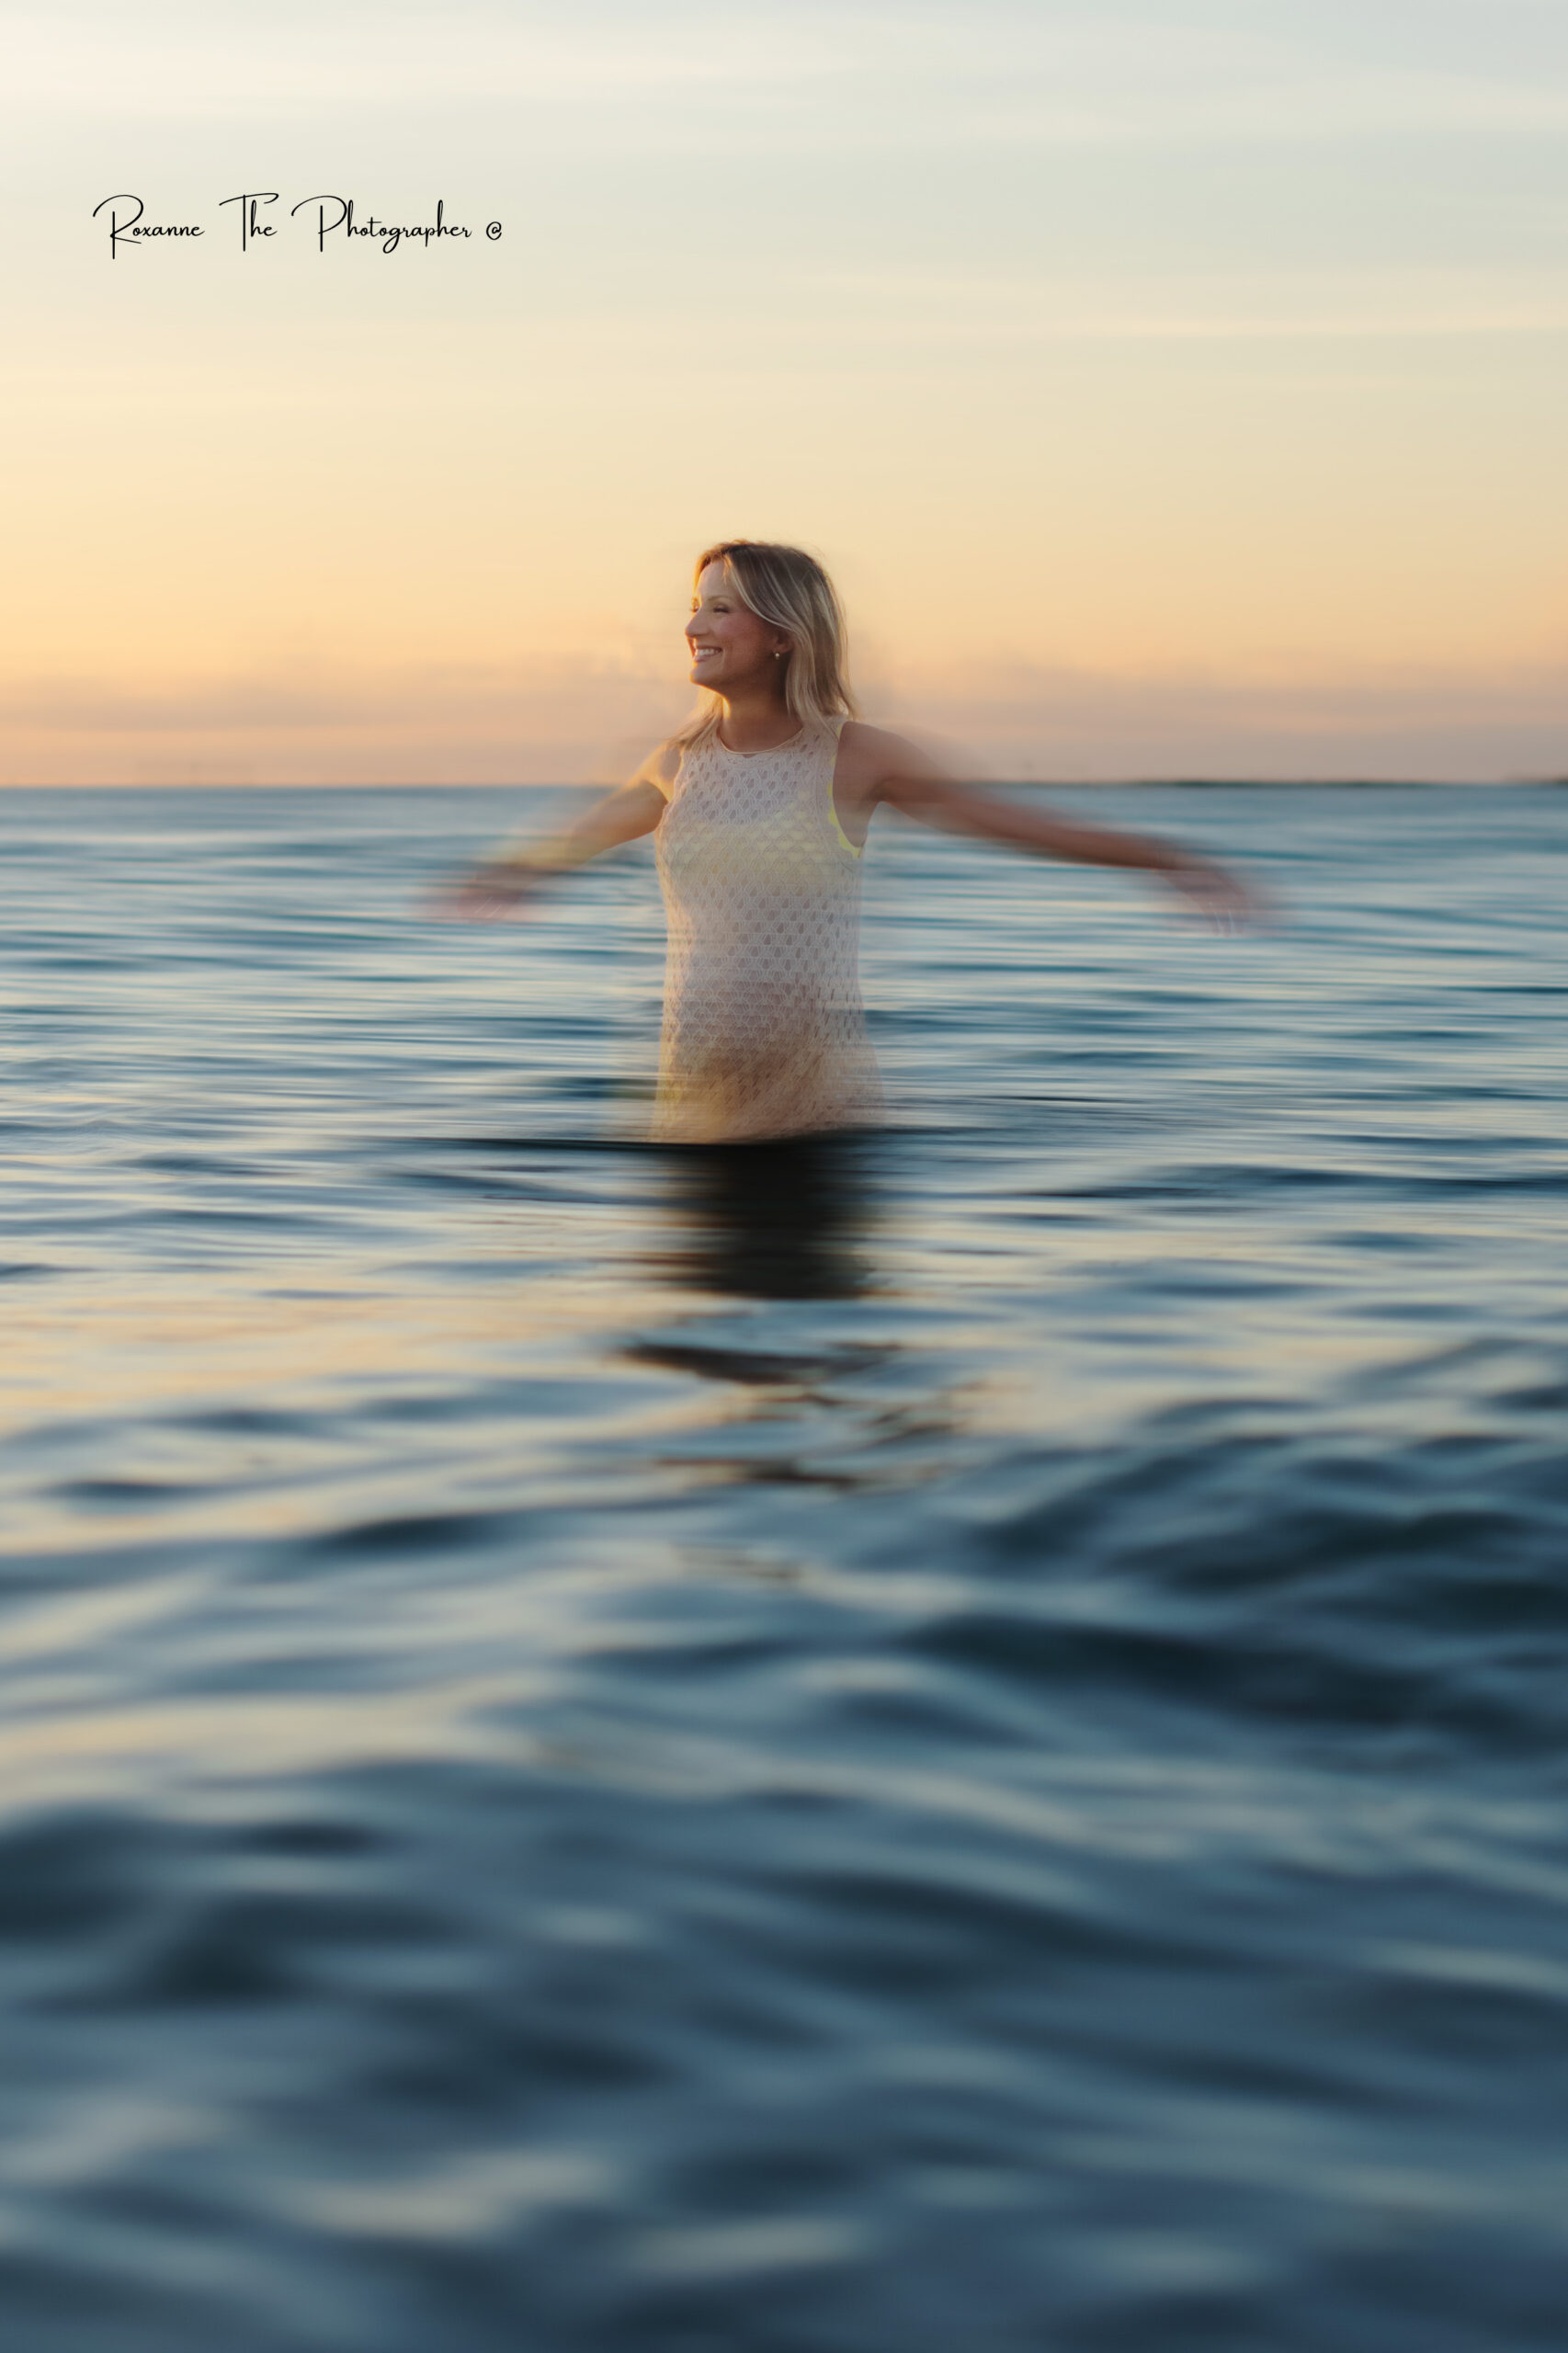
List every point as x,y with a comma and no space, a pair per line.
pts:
1168,399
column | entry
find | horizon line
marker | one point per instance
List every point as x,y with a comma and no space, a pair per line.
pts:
576,784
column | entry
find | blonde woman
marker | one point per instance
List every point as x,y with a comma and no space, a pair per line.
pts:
759,806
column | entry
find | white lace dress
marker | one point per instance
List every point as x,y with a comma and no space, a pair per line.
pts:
764,1033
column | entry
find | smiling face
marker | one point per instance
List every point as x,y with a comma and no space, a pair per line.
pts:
731,648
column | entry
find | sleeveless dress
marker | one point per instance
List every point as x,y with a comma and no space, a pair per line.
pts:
764,1033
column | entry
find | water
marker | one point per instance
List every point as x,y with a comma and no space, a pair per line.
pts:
957,1743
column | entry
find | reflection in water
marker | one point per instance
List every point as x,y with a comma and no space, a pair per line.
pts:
773,1221
781,1221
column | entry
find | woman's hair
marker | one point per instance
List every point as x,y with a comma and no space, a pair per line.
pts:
789,591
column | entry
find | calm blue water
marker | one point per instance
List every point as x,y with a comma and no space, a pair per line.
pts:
953,1744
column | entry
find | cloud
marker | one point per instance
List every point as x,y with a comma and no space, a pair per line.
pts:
447,722
187,60
292,697
1390,305
879,77
1029,722
490,724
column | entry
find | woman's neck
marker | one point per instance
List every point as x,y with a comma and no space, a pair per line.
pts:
758,723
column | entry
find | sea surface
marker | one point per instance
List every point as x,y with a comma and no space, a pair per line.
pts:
953,1743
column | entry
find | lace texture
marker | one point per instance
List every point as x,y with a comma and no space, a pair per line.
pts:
764,1033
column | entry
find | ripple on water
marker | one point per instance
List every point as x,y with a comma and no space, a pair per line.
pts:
951,1742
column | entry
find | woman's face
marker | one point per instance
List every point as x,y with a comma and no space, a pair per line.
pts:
730,647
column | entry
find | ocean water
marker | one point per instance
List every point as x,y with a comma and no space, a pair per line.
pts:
955,1741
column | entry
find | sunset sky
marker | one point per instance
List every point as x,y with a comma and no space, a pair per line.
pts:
1173,389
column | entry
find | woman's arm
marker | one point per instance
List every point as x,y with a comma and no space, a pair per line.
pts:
509,876
883,766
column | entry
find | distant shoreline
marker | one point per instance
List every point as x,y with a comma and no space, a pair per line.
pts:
1009,784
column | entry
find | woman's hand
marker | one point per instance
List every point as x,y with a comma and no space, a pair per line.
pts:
1221,898
488,892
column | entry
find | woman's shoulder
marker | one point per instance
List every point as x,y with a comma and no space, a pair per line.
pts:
868,754
662,765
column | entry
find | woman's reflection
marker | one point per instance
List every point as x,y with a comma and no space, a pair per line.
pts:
773,1221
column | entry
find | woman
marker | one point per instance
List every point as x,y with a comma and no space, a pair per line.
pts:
760,806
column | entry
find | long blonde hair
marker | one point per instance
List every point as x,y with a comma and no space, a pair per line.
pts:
789,590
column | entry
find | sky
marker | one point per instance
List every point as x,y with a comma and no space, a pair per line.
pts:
1172,389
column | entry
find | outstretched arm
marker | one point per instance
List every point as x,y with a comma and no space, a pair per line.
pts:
508,877
885,768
